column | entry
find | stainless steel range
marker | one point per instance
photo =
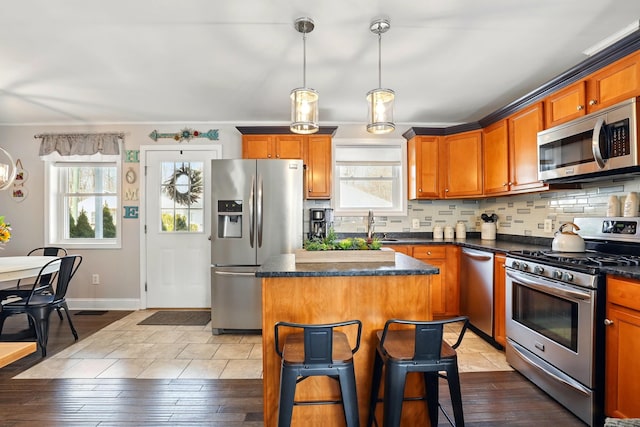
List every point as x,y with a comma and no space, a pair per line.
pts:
556,309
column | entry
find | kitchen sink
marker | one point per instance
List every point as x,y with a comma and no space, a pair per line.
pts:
388,239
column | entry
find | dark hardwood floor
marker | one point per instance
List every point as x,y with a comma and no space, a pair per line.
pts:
490,398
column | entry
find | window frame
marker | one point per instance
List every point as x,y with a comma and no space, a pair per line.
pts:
363,144
57,221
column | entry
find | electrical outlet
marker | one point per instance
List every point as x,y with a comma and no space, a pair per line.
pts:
95,279
415,223
548,226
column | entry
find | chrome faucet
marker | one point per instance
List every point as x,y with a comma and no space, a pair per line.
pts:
370,225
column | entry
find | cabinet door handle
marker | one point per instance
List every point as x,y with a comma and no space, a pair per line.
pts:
593,102
580,107
608,322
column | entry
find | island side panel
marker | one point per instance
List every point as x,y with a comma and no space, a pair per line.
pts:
372,300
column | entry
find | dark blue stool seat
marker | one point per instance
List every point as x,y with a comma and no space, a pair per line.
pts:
415,347
317,351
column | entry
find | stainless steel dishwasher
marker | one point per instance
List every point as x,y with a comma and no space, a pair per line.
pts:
476,289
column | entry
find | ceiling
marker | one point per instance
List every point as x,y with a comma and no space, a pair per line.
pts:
449,61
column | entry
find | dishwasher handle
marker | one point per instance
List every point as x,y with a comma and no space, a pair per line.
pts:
476,255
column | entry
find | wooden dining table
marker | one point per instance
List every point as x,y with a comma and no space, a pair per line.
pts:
21,267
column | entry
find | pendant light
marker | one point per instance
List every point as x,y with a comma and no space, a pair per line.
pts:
304,100
7,170
380,100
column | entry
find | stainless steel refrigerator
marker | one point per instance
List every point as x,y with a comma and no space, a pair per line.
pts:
256,213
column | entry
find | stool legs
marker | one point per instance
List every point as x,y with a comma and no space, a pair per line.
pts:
375,388
288,379
347,379
394,382
431,386
456,397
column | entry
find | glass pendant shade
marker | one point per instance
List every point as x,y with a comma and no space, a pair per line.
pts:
304,111
7,170
380,111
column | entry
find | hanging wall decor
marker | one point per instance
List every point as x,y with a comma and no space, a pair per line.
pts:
185,134
19,192
184,186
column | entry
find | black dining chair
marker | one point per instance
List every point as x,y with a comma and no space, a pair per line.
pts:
405,346
23,289
39,305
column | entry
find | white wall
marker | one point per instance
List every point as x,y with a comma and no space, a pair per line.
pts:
120,269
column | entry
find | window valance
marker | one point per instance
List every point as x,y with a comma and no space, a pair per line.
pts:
80,146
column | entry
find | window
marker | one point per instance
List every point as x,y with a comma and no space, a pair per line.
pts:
369,175
83,204
182,205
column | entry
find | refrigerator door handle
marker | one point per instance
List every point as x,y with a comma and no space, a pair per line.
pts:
259,210
252,198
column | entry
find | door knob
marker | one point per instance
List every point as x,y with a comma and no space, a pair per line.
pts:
608,322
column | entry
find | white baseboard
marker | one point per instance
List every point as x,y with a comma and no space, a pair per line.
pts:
103,304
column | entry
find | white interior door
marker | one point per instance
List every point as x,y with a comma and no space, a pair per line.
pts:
177,201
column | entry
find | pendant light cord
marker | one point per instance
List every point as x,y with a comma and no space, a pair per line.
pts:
304,59
379,60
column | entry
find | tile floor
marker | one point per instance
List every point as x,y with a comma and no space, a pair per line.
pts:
125,349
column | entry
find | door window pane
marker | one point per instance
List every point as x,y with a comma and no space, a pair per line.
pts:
181,198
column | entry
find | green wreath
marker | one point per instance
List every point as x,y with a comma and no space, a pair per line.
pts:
194,189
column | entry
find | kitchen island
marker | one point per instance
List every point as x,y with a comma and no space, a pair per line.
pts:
332,292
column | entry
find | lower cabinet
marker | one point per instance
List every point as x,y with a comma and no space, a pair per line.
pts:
445,287
622,364
499,295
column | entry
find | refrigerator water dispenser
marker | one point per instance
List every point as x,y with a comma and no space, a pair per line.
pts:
229,219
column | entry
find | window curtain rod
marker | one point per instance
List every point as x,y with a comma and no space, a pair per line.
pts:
116,134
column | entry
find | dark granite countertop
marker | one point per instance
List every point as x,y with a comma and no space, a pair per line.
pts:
285,266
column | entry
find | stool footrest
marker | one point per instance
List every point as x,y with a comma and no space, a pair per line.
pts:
317,402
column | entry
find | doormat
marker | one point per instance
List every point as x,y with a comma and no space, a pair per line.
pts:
186,318
91,312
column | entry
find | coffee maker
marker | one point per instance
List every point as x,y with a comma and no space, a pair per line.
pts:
320,221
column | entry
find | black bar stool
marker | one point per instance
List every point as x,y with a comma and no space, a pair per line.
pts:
317,351
416,349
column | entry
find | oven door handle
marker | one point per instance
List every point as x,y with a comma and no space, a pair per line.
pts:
572,384
595,143
568,293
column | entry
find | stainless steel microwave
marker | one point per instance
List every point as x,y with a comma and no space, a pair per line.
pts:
595,146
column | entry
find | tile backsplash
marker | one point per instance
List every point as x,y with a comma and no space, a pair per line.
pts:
521,215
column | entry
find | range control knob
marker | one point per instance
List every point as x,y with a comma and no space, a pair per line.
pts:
568,277
557,274
538,269
524,266
515,265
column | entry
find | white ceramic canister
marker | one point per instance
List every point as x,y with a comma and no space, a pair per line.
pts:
613,206
488,231
437,232
631,205
448,232
461,230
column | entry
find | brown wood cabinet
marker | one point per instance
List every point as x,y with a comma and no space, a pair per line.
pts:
499,295
272,146
566,104
523,148
461,160
622,365
423,167
614,83
313,150
445,287
317,160
403,249
495,155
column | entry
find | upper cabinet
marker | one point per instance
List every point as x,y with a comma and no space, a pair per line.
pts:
423,167
495,153
566,104
612,84
314,150
461,157
523,149
317,160
445,167
272,146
